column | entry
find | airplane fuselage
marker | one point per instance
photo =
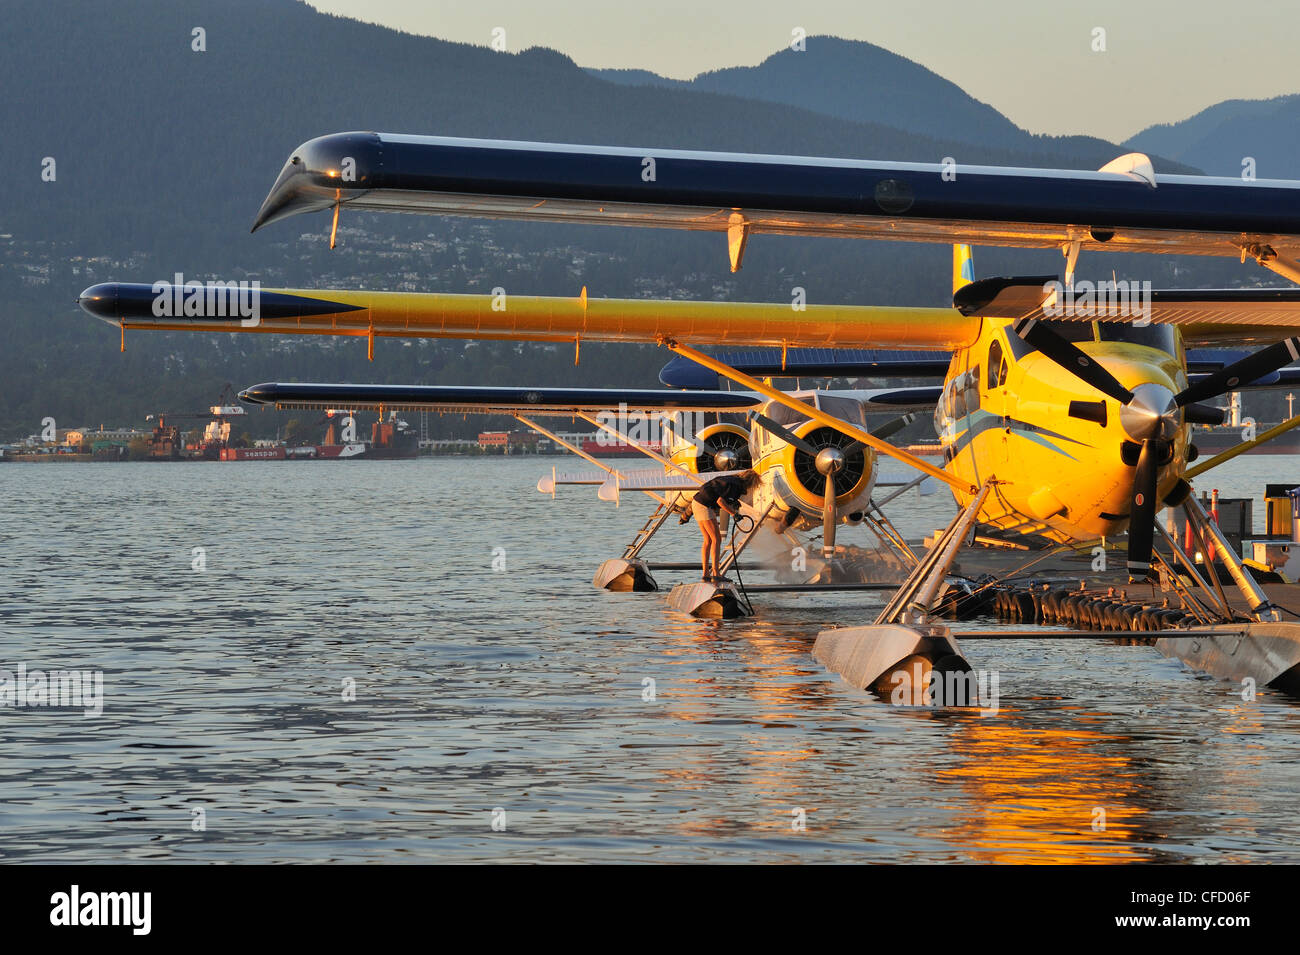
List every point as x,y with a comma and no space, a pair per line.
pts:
1059,450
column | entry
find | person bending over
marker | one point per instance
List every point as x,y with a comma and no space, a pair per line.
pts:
722,492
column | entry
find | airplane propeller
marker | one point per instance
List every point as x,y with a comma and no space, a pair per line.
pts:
1142,513
723,451
1248,369
1149,415
830,461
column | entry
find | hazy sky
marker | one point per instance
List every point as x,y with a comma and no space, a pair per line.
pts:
1031,59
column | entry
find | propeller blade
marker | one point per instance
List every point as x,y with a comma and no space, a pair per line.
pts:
1142,513
1202,414
789,437
890,428
1243,372
1071,358
828,517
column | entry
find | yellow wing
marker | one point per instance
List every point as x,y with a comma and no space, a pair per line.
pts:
524,317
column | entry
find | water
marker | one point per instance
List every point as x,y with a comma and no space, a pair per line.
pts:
522,690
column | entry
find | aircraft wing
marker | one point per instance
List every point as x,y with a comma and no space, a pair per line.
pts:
1124,207
553,402
1205,316
521,317
682,372
549,482
564,402
650,479
916,398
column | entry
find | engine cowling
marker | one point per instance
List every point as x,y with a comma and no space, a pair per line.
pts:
718,447
809,482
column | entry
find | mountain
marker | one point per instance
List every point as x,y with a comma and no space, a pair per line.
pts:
162,154
864,83
173,148
1219,138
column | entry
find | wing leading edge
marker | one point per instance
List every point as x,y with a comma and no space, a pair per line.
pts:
1125,208
490,400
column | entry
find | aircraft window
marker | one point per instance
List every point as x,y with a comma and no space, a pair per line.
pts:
995,359
784,415
847,409
1153,336
1071,331
972,390
1018,347
963,397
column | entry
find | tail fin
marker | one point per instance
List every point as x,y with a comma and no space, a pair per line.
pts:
963,267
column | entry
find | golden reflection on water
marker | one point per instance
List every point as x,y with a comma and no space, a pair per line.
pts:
1031,794
1035,794
775,667
1000,788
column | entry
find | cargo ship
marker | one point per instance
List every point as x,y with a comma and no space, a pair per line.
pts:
393,439
612,447
389,439
1237,428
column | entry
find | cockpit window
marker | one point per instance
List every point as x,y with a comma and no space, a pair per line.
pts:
1018,347
997,366
846,409
785,415
1153,335
1071,331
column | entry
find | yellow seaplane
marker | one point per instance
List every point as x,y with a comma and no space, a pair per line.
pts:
1067,404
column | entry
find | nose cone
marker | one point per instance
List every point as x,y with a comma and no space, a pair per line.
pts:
726,460
830,460
1151,414
263,394
321,172
101,301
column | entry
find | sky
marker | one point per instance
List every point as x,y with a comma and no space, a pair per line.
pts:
1033,60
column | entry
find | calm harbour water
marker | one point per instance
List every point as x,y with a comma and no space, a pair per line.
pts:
522,690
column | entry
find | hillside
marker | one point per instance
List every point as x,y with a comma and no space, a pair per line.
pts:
163,155
1217,139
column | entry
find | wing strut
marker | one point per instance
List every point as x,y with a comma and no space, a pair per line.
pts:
590,419
642,448
753,384
1232,452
